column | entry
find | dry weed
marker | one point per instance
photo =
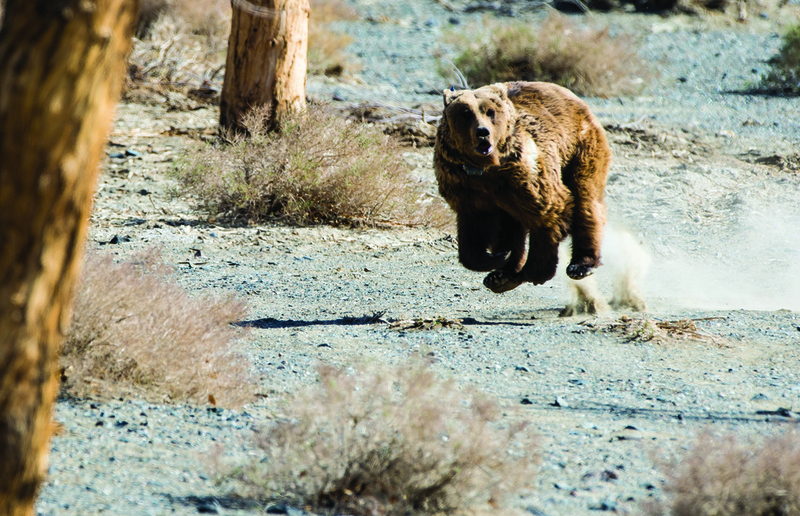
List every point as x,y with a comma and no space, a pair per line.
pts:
391,441
722,476
426,323
317,169
644,329
587,61
135,329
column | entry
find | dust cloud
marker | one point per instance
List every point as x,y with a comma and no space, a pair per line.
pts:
750,265
625,265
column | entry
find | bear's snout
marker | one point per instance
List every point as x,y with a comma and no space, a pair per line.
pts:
484,143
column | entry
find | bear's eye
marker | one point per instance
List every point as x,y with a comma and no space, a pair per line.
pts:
490,114
466,112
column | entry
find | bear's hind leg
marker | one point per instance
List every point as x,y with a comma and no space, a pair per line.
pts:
587,235
586,178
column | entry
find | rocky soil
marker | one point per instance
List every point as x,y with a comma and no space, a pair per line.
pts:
706,178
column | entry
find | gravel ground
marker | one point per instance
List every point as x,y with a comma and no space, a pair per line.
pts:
705,177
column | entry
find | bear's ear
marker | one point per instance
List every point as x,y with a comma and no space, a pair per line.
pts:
449,95
500,89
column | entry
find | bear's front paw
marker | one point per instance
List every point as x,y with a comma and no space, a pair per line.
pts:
578,271
501,281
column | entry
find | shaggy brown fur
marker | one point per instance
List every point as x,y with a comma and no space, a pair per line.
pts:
523,159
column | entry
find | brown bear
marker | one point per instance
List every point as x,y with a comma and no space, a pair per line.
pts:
517,160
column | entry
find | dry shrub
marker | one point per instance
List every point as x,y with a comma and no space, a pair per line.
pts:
721,476
317,169
587,61
325,47
784,75
135,329
149,12
392,441
181,46
204,17
209,18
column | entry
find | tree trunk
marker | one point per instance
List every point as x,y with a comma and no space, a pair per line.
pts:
267,60
61,68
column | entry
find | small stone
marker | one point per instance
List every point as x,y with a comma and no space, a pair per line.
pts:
605,505
116,239
207,508
608,476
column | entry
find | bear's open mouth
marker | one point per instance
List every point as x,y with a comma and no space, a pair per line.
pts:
484,148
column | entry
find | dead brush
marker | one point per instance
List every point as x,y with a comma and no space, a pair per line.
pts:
644,329
394,441
135,330
317,168
182,49
426,323
724,476
587,61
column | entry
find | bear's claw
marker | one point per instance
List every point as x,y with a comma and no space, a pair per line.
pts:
578,271
500,281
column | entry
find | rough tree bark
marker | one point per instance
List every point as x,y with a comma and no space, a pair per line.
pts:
61,69
267,60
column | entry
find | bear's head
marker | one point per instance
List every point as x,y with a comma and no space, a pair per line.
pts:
479,122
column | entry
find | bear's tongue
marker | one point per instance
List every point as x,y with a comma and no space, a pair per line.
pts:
484,148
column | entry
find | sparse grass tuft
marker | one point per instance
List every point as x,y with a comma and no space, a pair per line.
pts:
587,61
391,441
135,329
317,169
784,77
722,476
